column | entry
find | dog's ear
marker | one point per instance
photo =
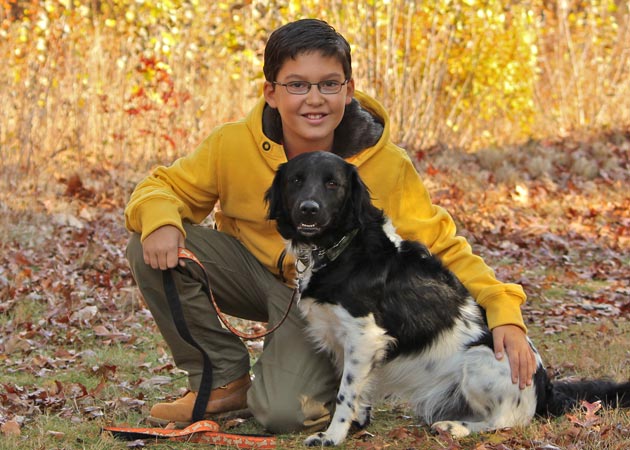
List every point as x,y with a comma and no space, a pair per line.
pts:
276,205
273,196
359,201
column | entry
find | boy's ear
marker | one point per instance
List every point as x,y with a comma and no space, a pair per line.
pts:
350,91
269,91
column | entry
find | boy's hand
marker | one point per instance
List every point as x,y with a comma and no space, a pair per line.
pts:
512,340
160,247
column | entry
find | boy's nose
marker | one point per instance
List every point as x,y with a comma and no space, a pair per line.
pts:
314,97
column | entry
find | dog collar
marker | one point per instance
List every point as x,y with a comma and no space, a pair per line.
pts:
312,257
331,253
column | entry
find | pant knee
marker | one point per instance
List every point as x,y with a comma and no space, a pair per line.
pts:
147,279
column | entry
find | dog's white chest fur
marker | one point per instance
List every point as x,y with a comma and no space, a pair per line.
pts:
347,338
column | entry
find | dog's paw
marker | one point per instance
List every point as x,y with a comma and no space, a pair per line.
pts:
318,440
363,418
452,427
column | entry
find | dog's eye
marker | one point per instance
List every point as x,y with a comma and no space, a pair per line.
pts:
332,184
295,180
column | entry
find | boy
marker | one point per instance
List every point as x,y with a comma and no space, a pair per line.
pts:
309,104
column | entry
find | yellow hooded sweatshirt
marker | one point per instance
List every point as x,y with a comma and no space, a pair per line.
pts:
235,165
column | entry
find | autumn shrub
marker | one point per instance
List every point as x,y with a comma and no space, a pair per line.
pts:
584,66
126,84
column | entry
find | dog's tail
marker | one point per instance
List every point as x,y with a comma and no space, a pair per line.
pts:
561,396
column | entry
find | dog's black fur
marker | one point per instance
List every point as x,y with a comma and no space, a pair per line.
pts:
395,320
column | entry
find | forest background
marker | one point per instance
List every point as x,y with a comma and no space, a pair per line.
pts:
516,114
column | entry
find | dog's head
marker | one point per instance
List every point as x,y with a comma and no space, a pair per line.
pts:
317,197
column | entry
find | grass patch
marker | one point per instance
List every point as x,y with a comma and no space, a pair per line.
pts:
122,398
587,349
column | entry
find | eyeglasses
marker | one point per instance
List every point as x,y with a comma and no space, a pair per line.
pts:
303,87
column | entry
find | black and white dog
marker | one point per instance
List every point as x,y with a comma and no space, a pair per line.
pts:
396,322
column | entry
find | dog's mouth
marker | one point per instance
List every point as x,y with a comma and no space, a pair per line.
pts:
308,229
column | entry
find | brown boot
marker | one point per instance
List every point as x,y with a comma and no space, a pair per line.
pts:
225,401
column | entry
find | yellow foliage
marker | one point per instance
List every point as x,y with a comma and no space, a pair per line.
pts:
157,75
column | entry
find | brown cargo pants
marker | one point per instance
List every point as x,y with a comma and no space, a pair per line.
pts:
294,386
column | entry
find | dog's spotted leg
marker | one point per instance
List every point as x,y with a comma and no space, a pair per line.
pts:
354,378
364,347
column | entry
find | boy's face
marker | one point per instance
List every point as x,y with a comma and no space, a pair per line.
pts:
309,120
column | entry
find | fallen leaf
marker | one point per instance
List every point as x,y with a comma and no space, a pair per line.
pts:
158,380
11,428
363,435
85,314
56,434
590,418
399,433
233,423
447,439
591,408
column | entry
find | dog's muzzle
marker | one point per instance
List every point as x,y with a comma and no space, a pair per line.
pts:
309,208
307,218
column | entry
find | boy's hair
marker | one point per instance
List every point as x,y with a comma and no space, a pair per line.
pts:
305,36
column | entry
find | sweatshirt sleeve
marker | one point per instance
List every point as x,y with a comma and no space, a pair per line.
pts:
417,218
186,190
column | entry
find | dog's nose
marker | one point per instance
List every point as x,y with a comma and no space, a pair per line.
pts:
309,207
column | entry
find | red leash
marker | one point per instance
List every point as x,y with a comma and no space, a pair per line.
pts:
202,432
184,253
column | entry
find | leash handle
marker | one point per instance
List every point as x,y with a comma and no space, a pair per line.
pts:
202,432
184,253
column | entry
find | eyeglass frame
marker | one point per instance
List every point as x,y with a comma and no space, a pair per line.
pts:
310,85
